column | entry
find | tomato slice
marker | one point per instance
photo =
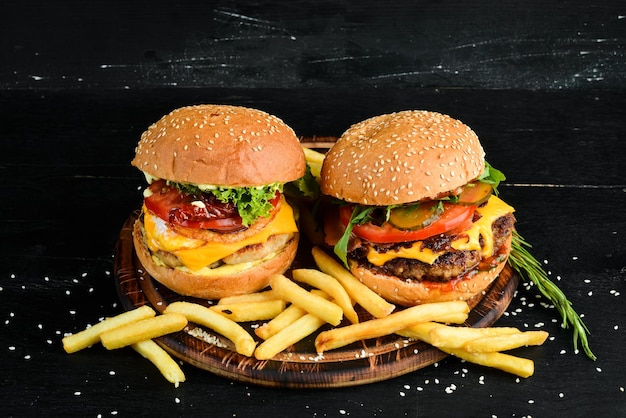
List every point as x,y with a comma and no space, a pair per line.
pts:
201,211
453,217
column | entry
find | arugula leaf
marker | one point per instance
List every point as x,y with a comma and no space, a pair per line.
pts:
492,176
360,215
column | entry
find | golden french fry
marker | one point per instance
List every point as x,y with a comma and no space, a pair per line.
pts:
363,295
310,302
519,366
313,156
511,364
91,335
287,336
285,318
331,286
456,337
339,337
314,160
202,315
251,311
249,297
161,359
489,344
452,318
145,329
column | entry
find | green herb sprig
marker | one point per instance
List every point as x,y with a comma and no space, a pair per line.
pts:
529,268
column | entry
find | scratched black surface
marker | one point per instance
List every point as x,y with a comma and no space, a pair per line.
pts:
531,44
542,85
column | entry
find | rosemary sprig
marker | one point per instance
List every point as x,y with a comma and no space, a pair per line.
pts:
528,267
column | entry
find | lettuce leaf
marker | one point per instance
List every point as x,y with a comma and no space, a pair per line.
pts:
251,202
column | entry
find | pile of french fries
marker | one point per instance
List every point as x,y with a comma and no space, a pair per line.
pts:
136,328
293,309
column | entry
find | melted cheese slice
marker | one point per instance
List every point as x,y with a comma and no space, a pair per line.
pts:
470,240
197,254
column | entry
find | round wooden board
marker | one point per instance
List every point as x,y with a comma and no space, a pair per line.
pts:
298,367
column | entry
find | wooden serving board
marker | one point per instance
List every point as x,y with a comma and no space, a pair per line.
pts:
299,366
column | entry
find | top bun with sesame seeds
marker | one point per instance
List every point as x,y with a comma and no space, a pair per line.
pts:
402,157
214,221
220,145
417,219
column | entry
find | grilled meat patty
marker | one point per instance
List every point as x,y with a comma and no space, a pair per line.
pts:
449,265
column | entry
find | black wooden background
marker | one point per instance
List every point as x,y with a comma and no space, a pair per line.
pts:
543,83
530,44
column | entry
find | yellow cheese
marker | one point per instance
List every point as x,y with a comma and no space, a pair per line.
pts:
196,254
425,255
161,237
494,209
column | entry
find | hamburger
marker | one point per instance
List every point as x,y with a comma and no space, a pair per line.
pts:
417,217
214,220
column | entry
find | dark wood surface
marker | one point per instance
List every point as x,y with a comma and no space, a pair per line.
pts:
529,44
541,84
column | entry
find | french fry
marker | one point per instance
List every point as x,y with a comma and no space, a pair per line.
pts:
251,311
339,337
314,159
249,297
310,302
202,315
287,336
452,318
145,329
313,156
331,286
161,359
456,337
363,295
494,343
511,364
90,336
518,366
285,318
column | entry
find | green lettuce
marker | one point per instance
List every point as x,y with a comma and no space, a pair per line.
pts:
251,202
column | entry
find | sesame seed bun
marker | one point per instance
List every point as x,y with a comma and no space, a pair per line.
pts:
401,157
220,145
228,146
415,292
215,286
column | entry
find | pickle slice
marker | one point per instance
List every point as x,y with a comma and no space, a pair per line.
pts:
415,216
474,193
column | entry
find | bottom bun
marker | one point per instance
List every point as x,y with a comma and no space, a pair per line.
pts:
416,292
217,285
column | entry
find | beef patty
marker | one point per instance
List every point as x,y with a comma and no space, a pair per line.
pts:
449,265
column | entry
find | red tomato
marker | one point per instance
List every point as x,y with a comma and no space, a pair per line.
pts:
201,210
454,216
